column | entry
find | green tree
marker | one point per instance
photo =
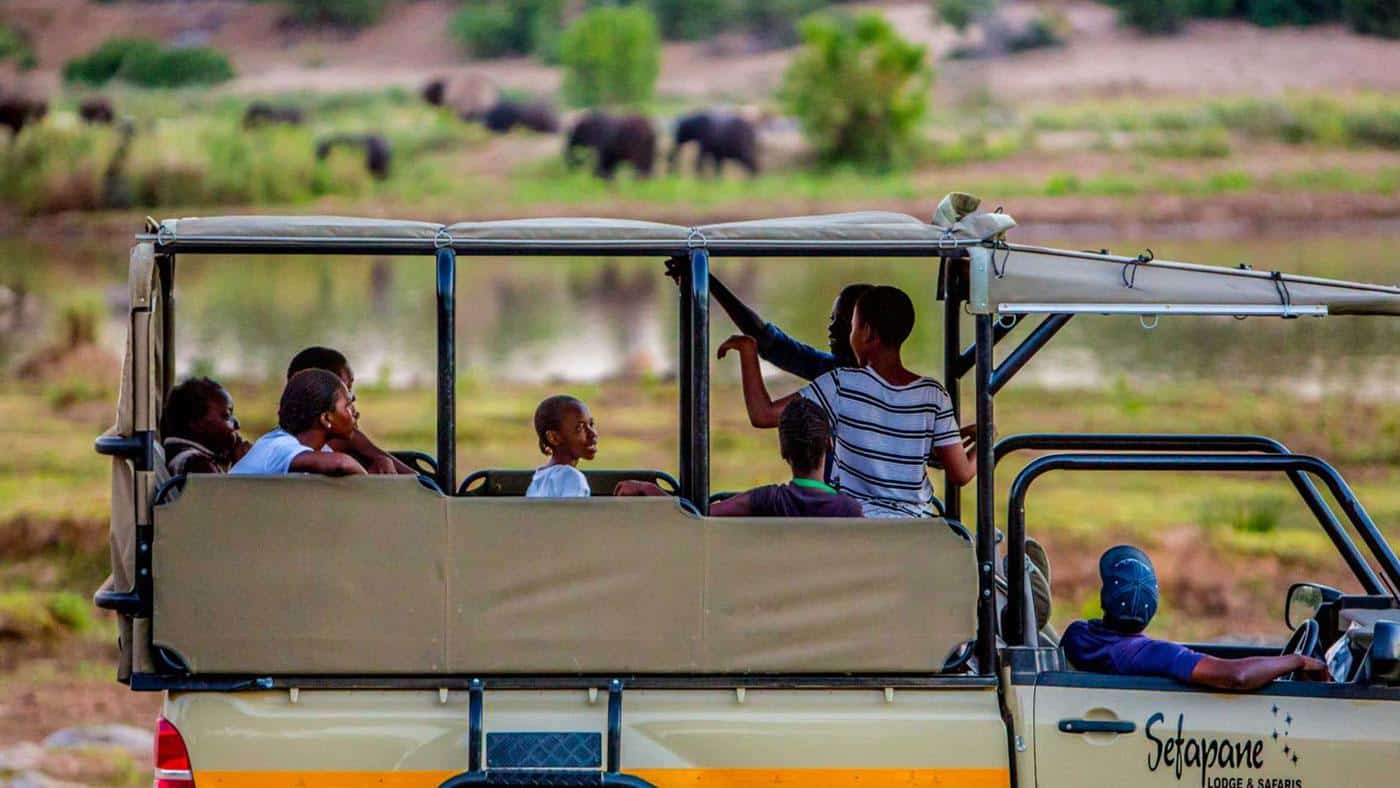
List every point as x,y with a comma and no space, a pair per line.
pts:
857,89
494,28
611,56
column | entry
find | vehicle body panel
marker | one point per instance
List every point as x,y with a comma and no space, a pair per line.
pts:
907,737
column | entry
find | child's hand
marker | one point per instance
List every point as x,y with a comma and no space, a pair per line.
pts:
741,343
634,487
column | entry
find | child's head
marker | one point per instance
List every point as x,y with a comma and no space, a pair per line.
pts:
200,410
317,399
838,329
804,436
566,429
317,357
1129,593
884,318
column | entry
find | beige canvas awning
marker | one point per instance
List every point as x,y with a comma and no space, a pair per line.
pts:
1015,279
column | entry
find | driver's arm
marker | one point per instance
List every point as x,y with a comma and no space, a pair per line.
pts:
1250,673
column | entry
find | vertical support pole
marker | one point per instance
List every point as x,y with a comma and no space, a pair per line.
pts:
614,761
475,702
685,380
447,369
954,296
986,499
165,266
695,481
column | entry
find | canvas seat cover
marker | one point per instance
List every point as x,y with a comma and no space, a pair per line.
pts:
311,575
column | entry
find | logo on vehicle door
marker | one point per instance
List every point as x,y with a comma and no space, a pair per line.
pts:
1182,754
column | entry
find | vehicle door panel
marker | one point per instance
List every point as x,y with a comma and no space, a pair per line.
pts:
1288,735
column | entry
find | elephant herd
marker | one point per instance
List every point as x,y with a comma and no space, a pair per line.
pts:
610,140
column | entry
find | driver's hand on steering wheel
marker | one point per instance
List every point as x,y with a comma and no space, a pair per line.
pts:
1313,669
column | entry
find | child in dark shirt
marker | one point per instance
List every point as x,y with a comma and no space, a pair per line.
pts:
804,438
201,432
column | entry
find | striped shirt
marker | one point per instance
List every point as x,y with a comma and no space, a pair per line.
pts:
884,435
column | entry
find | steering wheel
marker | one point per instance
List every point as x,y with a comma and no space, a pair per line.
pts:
1302,641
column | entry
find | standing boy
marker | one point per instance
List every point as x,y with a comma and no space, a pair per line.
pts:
889,422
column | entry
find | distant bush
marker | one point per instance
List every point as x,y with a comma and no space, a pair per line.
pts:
173,68
1047,29
857,89
143,62
346,13
1373,17
777,21
611,56
102,64
961,14
14,45
1152,17
690,20
496,28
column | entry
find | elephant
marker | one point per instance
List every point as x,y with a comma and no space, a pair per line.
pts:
533,115
377,153
719,136
16,112
97,111
615,140
261,114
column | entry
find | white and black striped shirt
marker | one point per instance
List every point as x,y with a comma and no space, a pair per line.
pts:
884,435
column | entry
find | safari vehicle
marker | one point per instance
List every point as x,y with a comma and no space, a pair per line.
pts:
310,631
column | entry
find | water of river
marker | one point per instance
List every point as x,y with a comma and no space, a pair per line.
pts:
528,320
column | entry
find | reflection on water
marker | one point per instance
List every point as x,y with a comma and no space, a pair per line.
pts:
536,320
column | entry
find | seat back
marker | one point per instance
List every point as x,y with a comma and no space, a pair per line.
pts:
512,483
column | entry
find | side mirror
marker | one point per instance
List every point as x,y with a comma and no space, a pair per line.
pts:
1385,654
1304,600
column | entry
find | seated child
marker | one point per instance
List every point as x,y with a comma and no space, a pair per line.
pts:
315,408
888,421
358,445
567,434
804,438
201,432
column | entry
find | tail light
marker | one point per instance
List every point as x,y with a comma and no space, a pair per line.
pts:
172,759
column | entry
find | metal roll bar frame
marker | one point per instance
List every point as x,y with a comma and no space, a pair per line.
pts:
1266,463
954,286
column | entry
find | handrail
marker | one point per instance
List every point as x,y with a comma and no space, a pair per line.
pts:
1016,523
1176,442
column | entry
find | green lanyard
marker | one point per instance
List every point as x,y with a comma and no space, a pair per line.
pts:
814,484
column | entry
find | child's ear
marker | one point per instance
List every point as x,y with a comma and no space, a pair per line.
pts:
552,438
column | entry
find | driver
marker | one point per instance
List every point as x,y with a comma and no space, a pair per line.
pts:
1116,644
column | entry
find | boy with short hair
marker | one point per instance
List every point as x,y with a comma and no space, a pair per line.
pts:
358,445
888,421
804,438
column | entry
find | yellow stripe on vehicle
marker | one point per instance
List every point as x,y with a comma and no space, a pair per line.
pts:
661,778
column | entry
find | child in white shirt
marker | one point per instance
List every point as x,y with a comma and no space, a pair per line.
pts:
567,434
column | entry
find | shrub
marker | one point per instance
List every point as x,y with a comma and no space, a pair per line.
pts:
776,21
611,56
485,31
857,89
1373,17
143,62
1047,29
173,68
1153,17
102,64
1273,13
14,45
1379,127
690,20
346,13
961,14
495,28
